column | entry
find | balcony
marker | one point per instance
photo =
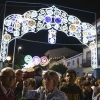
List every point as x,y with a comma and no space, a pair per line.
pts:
87,62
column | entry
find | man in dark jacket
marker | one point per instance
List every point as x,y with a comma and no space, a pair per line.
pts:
72,91
38,76
7,82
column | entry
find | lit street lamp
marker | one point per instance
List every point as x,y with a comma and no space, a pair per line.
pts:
8,58
19,49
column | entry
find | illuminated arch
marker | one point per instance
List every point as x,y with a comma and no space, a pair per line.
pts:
16,25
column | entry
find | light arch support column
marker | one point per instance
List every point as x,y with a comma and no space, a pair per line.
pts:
16,25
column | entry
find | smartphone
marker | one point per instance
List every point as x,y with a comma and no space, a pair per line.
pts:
89,74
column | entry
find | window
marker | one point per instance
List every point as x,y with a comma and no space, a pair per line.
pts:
77,63
68,63
73,62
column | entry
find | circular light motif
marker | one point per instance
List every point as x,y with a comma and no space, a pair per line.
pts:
57,12
33,14
10,28
16,33
70,33
58,20
36,60
25,29
31,23
52,41
72,28
64,27
6,37
85,40
48,19
27,58
7,22
65,20
71,19
13,19
44,61
90,37
49,12
40,24
24,21
40,18
92,45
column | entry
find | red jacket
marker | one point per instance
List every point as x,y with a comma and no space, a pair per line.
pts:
4,97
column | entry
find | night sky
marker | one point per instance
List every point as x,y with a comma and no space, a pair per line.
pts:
36,44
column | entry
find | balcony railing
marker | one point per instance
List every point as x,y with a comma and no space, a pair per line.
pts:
87,62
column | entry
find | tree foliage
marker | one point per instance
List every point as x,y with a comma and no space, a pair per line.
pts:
59,68
19,60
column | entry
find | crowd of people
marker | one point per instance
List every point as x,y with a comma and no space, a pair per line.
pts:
19,85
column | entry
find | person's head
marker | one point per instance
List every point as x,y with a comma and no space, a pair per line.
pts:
70,77
18,73
38,70
78,81
33,83
7,77
86,86
51,80
88,79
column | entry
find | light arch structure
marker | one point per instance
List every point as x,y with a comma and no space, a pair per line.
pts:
16,25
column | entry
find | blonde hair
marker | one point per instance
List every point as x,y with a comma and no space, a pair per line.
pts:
53,75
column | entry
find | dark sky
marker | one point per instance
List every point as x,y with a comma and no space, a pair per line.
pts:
82,9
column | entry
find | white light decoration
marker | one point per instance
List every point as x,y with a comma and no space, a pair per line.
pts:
52,18
52,36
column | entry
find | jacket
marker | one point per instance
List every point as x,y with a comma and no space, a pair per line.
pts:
10,96
54,95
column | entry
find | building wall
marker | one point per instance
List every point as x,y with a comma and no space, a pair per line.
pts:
74,58
61,52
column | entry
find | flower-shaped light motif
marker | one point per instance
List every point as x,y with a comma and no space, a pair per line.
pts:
64,20
10,28
58,20
48,19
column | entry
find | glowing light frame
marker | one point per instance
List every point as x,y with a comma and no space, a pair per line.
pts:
16,25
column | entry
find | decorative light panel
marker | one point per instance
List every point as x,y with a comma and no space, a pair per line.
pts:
52,18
